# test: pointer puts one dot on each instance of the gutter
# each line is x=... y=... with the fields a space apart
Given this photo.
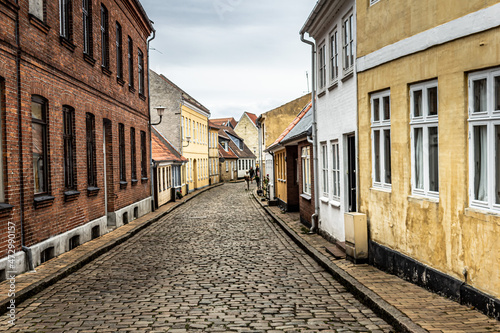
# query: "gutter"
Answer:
x=151 y=166
x=315 y=216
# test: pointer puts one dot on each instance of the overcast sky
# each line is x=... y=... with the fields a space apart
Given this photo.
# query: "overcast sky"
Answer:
x=232 y=55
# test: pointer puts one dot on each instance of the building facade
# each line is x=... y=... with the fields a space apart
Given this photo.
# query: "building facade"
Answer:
x=228 y=160
x=429 y=111
x=74 y=121
x=213 y=153
x=248 y=131
x=332 y=25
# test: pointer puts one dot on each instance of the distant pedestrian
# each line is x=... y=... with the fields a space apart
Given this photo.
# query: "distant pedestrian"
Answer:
x=251 y=172
x=247 y=179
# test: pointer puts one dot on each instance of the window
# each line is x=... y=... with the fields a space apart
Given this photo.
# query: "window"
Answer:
x=2 y=113
x=65 y=12
x=69 y=148
x=372 y=2
x=322 y=66
x=306 y=170
x=119 y=52
x=104 y=37
x=348 y=42
x=40 y=144
x=144 y=157
x=36 y=8
x=335 y=170
x=424 y=138
x=121 y=151
x=381 y=139
x=133 y=167
x=140 y=64
x=324 y=168
x=87 y=27
x=130 y=63
x=91 y=151
x=484 y=139
x=334 y=57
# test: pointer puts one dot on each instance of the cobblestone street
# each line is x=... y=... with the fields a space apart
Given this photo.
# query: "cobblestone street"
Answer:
x=215 y=264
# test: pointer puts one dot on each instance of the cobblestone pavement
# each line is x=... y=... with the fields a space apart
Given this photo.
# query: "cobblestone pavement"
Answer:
x=216 y=264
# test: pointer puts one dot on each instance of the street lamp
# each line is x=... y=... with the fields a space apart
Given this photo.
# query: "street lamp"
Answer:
x=160 y=110
x=188 y=140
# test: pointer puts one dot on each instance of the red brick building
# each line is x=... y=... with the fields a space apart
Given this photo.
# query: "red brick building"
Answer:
x=74 y=124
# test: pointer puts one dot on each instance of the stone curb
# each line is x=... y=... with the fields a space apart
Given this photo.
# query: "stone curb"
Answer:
x=38 y=286
x=381 y=307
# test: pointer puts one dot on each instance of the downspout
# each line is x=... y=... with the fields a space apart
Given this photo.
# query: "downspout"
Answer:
x=26 y=249
x=315 y=216
x=150 y=132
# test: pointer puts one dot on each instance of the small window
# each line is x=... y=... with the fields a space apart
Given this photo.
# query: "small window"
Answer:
x=91 y=151
x=125 y=218
x=140 y=66
x=74 y=242
x=119 y=52
x=46 y=254
x=334 y=56
x=2 y=275
x=104 y=37
x=65 y=16
x=130 y=63
x=121 y=150
x=69 y=148
x=144 y=157
x=133 y=167
x=322 y=66
x=381 y=139
x=324 y=168
x=348 y=41
x=335 y=170
x=136 y=213
x=95 y=232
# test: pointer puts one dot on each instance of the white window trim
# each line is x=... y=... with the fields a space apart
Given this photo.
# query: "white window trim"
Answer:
x=306 y=170
x=324 y=168
x=372 y=2
x=489 y=118
x=424 y=121
x=380 y=125
x=348 y=67
x=336 y=186
x=334 y=55
x=322 y=68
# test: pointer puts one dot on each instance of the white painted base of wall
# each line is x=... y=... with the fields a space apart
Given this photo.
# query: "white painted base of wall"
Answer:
x=116 y=218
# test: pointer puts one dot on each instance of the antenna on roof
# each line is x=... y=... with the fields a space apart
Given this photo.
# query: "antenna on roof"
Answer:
x=307 y=80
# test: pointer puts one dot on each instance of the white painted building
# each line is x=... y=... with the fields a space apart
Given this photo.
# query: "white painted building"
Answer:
x=332 y=25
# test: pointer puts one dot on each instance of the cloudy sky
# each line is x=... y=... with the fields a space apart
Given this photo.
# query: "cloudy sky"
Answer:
x=232 y=55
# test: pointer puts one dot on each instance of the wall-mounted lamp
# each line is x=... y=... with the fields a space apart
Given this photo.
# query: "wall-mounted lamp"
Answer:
x=160 y=110
x=188 y=140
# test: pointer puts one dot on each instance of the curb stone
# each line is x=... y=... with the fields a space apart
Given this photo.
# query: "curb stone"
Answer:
x=381 y=307
x=46 y=282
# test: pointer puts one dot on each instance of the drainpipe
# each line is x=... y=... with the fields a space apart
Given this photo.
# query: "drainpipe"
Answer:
x=26 y=249
x=150 y=132
x=315 y=216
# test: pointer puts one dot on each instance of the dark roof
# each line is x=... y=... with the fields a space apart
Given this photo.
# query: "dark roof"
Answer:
x=245 y=153
x=226 y=154
x=291 y=126
x=301 y=129
x=163 y=151
x=224 y=121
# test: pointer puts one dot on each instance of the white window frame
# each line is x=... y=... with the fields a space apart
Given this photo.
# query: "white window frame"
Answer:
x=380 y=125
x=324 y=169
x=306 y=170
x=490 y=118
x=424 y=121
x=322 y=66
x=336 y=181
x=372 y=2
x=348 y=42
x=334 y=55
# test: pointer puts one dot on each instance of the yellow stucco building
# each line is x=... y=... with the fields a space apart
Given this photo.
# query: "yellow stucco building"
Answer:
x=194 y=124
x=213 y=153
x=429 y=142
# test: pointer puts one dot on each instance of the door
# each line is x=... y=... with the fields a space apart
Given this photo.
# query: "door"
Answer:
x=351 y=173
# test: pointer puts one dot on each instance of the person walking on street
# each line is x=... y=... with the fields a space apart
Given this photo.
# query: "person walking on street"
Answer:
x=247 y=179
x=251 y=172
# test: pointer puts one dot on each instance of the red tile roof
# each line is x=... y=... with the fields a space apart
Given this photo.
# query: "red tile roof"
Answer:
x=163 y=151
x=226 y=154
x=252 y=117
x=224 y=121
x=291 y=125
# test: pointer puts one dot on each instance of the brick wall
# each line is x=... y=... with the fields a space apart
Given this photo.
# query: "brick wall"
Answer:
x=59 y=72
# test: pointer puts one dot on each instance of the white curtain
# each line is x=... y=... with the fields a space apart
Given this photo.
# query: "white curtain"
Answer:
x=480 y=160
x=419 y=159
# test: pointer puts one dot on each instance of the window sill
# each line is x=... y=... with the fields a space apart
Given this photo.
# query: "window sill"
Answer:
x=306 y=196
x=141 y=96
x=92 y=191
x=131 y=89
x=144 y=179
x=419 y=198
x=71 y=195
x=322 y=93
x=348 y=74
x=381 y=189
x=134 y=182
x=123 y=184
x=334 y=85
x=39 y=24
x=106 y=71
x=5 y=209
x=324 y=200
x=120 y=81
x=482 y=214
x=335 y=203
x=67 y=43
x=11 y=4
x=43 y=201
x=89 y=59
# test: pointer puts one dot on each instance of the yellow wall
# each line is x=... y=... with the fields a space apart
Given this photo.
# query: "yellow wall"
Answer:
x=247 y=130
x=213 y=155
x=446 y=235
x=406 y=18
x=197 y=150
